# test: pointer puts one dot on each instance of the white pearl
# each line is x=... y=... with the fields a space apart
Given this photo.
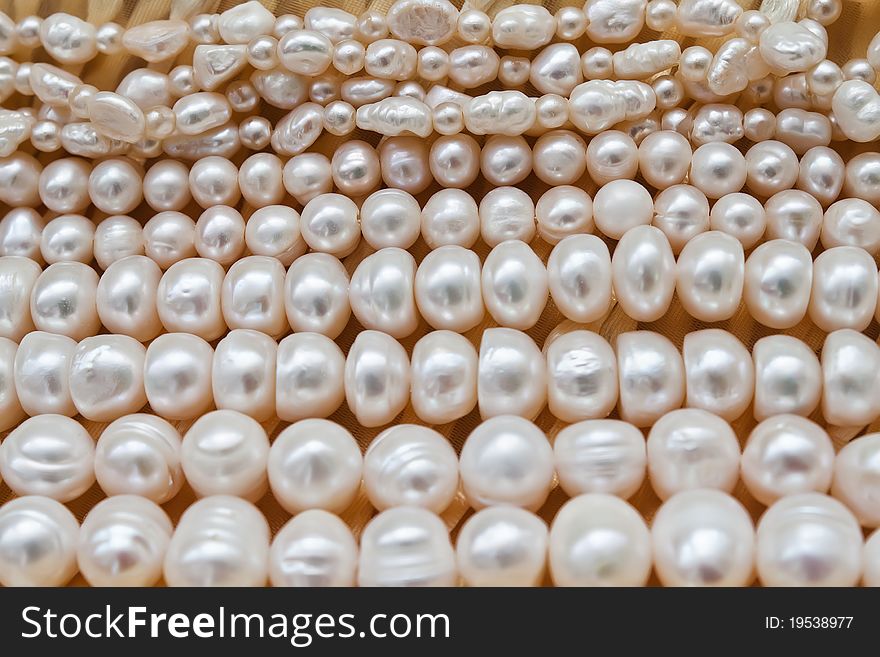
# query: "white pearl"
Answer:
x=861 y=177
x=306 y=176
x=382 y=292
x=788 y=377
x=410 y=465
x=390 y=217
x=643 y=273
x=844 y=289
x=243 y=373
x=599 y=540
x=244 y=22
x=146 y=88
x=41 y=367
x=20 y=175
x=741 y=216
x=514 y=284
x=719 y=373
x=512 y=374
x=703 y=538
x=502 y=546
x=177 y=376
x=709 y=276
x=169 y=237
x=17 y=278
x=620 y=206
x=213 y=180
x=614 y=21
x=188 y=298
x=600 y=456
x=556 y=69
x=450 y=217
x=809 y=539
x=795 y=216
x=315 y=464
x=37 y=542
x=855 y=105
x=454 y=160
x=63 y=300
x=219 y=541
x=259 y=179
x=681 y=212
x=280 y=88
x=506 y=460
x=252 y=296
x=444 y=377
x=225 y=453
x=507 y=213
x=11 y=412
x=786 y=455
x=612 y=155
x=297 y=130
x=447 y=289
x=778 y=281
x=315 y=548
x=122 y=542
x=116 y=238
x=329 y=224
x=849 y=222
x=197 y=113
x=582 y=376
x=717 y=169
x=68 y=238
x=309 y=377
x=68 y=39
x=273 y=230
x=558 y=157
x=651 y=373
x=772 y=167
x=49 y=455
x=377 y=376
x=850 y=384
x=316 y=294
x=856 y=478
x=473 y=66
x=579 y=277
x=506 y=160
x=219 y=234
x=789 y=47
x=21 y=233
x=406 y=546
x=664 y=158
x=564 y=211
x=523 y=27
x=106 y=377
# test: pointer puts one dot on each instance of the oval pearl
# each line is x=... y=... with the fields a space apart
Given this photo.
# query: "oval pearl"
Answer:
x=788 y=377
x=316 y=295
x=450 y=217
x=115 y=186
x=40 y=370
x=558 y=157
x=444 y=377
x=741 y=216
x=219 y=234
x=681 y=212
x=11 y=412
x=21 y=233
x=309 y=377
x=454 y=160
x=620 y=206
x=252 y=296
x=808 y=539
x=844 y=291
x=355 y=168
x=20 y=176
x=329 y=224
x=849 y=222
x=850 y=379
x=63 y=300
x=856 y=478
x=188 y=298
x=50 y=455
x=127 y=296
x=225 y=453
x=562 y=212
x=64 y=185
x=382 y=294
x=778 y=281
x=709 y=276
x=116 y=238
x=315 y=464
x=390 y=217
x=38 y=539
x=719 y=373
x=273 y=231
x=17 y=278
x=243 y=373
x=515 y=285
x=600 y=456
x=68 y=238
x=177 y=376
x=717 y=169
x=377 y=376
x=651 y=374
x=106 y=377
x=664 y=158
x=306 y=176
x=315 y=548
x=259 y=179
x=643 y=273
x=410 y=465
x=599 y=540
x=169 y=237
x=861 y=176
x=795 y=216
x=506 y=460
x=406 y=546
x=502 y=546
x=579 y=277
x=787 y=455
x=447 y=289
x=512 y=374
x=703 y=538
x=582 y=376
x=507 y=213
x=122 y=542
x=219 y=541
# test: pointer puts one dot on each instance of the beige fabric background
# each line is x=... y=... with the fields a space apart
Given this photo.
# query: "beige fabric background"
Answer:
x=849 y=37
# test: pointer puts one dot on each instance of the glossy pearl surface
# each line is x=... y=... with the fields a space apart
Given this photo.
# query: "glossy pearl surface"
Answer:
x=314 y=548
x=643 y=273
x=377 y=378
x=106 y=377
x=651 y=376
x=582 y=376
x=788 y=377
x=856 y=477
x=38 y=538
x=382 y=294
x=447 y=289
x=444 y=377
x=41 y=373
x=316 y=294
x=719 y=373
x=243 y=373
x=512 y=374
x=308 y=377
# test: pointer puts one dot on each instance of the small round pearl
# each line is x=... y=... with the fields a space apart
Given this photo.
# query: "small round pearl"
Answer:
x=314 y=548
x=582 y=376
x=122 y=542
x=219 y=541
x=741 y=216
x=502 y=546
x=717 y=168
x=49 y=455
x=40 y=371
x=260 y=180
x=309 y=377
x=225 y=452
x=329 y=224
x=382 y=292
x=355 y=168
x=809 y=539
x=447 y=289
x=642 y=273
x=454 y=160
x=404 y=162
x=20 y=179
x=410 y=465
x=786 y=455
x=709 y=276
x=506 y=460
x=450 y=216
x=612 y=155
x=703 y=538
x=444 y=377
x=188 y=298
x=177 y=376
x=681 y=212
x=844 y=289
x=169 y=237
x=273 y=231
x=558 y=157
x=307 y=175
x=599 y=540
x=316 y=295
x=788 y=377
x=38 y=539
x=505 y=160
x=64 y=185
x=390 y=217
x=515 y=285
x=664 y=158
x=116 y=238
x=621 y=205
x=106 y=377
x=406 y=546
x=252 y=295
x=315 y=464
x=512 y=374
x=856 y=478
x=507 y=213
x=719 y=373
x=116 y=186
x=243 y=373
x=772 y=167
x=377 y=377
x=795 y=216
x=778 y=281
x=563 y=211
x=63 y=300
x=219 y=234
x=213 y=180
x=68 y=238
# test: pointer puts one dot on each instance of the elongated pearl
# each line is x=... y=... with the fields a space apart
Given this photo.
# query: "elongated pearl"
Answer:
x=515 y=285
x=447 y=289
x=710 y=273
x=651 y=374
x=719 y=373
x=642 y=273
x=316 y=294
x=40 y=370
x=177 y=376
x=579 y=277
x=444 y=377
x=582 y=376
x=844 y=289
x=315 y=548
x=243 y=373
x=252 y=295
x=512 y=374
x=309 y=377
x=850 y=371
x=377 y=378
x=788 y=377
x=382 y=292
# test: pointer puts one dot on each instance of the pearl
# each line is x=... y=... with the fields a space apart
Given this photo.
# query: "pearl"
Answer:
x=126 y=298
x=664 y=158
x=106 y=377
x=795 y=216
x=681 y=212
x=298 y=130
x=506 y=213
x=244 y=22
x=787 y=455
x=64 y=185
x=166 y=186
x=21 y=234
x=18 y=276
x=280 y=88
x=377 y=378
x=855 y=478
x=454 y=160
x=406 y=546
x=38 y=539
x=316 y=295
x=315 y=548
x=620 y=206
x=612 y=155
x=68 y=39
x=850 y=222
x=741 y=216
x=514 y=283
x=63 y=300
x=382 y=292
x=778 y=280
x=642 y=273
x=582 y=376
x=717 y=168
x=563 y=211
x=309 y=377
x=11 y=412
x=188 y=298
x=850 y=367
x=502 y=546
x=117 y=237
x=329 y=224
x=390 y=217
x=703 y=538
x=559 y=157
x=579 y=277
x=506 y=460
x=719 y=374
x=255 y=132
x=599 y=540
x=444 y=377
x=788 y=377
x=67 y=238
x=196 y=113
x=306 y=176
x=122 y=542
x=20 y=176
x=855 y=105
x=177 y=376
x=219 y=541
x=48 y=455
x=219 y=234
x=862 y=177
x=651 y=374
x=273 y=231
x=844 y=289
x=450 y=217
x=512 y=374
x=410 y=465
x=404 y=164
x=473 y=66
x=213 y=181
x=447 y=289
x=505 y=160
x=252 y=295
x=115 y=186
x=40 y=373
x=710 y=275
x=243 y=373
x=260 y=180
x=808 y=539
